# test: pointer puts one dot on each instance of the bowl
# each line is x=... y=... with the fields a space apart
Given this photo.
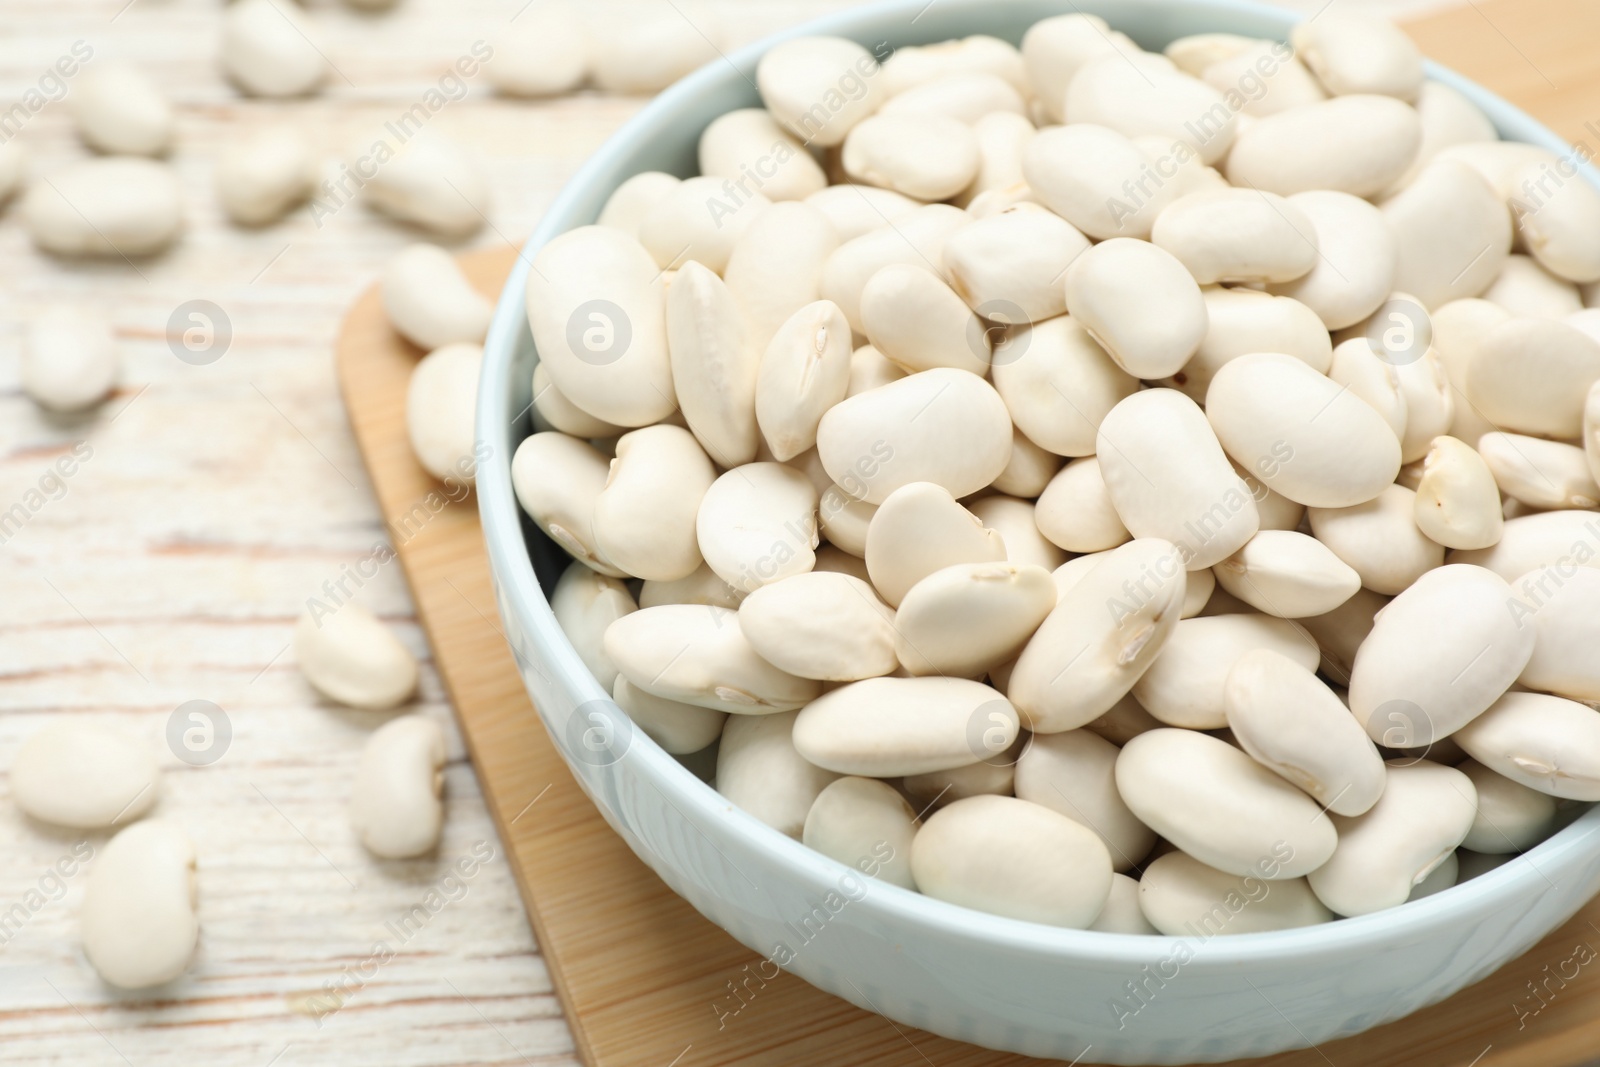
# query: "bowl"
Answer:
x=992 y=981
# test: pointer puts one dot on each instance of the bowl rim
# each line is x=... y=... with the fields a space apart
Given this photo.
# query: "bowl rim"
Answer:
x=1508 y=885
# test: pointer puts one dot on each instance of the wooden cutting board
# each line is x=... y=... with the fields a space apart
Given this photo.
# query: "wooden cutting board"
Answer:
x=640 y=972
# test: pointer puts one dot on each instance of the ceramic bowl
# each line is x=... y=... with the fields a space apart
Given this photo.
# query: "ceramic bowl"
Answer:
x=980 y=978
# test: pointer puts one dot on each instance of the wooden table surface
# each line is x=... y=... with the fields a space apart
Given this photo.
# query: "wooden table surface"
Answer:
x=172 y=565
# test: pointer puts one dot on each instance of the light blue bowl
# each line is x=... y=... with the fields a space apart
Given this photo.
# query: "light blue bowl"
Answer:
x=992 y=981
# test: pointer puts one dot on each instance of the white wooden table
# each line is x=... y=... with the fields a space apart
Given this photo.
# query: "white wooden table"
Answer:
x=173 y=565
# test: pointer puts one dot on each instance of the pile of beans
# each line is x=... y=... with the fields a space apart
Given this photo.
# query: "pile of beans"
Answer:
x=1093 y=486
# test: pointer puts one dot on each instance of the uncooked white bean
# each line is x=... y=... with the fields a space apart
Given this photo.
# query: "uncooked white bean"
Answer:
x=856 y=210
x=862 y=823
x=994 y=776
x=1245 y=321
x=1546 y=743
x=843 y=519
x=1144 y=94
x=1359 y=52
x=1354 y=269
x=1357 y=367
x=918 y=322
x=804 y=373
x=429 y=300
x=1529 y=542
x=1187 y=683
x=272 y=49
x=350 y=656
x=943 y=426
x=395 y=806
x=1221 y=807
x=1351 y=144
x=1100 y=638
x=542 y=52
x=1083 y=173
x=775 y=269
x=1459 y=329
x=1288 y=574
x=644 y=50
x=677 y=727
x=1415 y=680
x=441 y=410
x=1009 y=267
x=827 y=626
x=1527 y=289
x=1448 y=119
x=1197 y=52
x=1014 y=521
x=1075 y=510
x=1055 y=49
x=434 y=183
x=1182 y=897
x=140 y=924
x=714 y=366
x=1291 y=723
x=1126 y=719
x=1029 y=470
x=1277 y=512
x=965 y=619
x=1430 y=403
x=1140 y=303
x=926 y=156
x=963 y=97
x=585 y=604
x=121 y=206
x=119 y=110
x=698 y=654
x=1265 y=77
x=69 y=362
x=699 y=219
x=77 y=775
x=644 y=518
x=919 y=529
x=595 y=306
x=630 y=202
x=553 y=411
x=868 y=370
x=916 y=239
x=1457 y=502
x=1340 y=632
x=748 y=147
x=1380 y=539
x=820 y=87
x=1121 y=914
x=759 y=770
x=1009 y=857
x=1059 y=384
x=1169 y=478
x=914 y=65
x=758 y=524
x=1563 y=605
x=1558 y=219
x=1511 y=817
x=1532 y=376
x=1001 y=136
x=701 y=587
x=1424 y=813
x=1237 y=235
x=263 y=176
x=1452 y=233
x=557 y=479
x=1074 y=773
x=884 y=727
x=1542 y=474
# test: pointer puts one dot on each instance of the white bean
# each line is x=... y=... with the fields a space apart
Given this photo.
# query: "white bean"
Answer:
x=644 y=50
x=918 y=322
x=1532 y=541
x=1015 y=522
x=1531 y=376
x=350 y=656
x=1009 y=267
x=1009 y=857
x=820 y=87
x=698 y=654
x=74 y=774
x=1055 y=49
x=775 y=269
x=1380 y=539
x=1099 y=639
x=1546 y=743
x=1083 y=173
x=1029 y=470
x=1288 y=574
x=1245 y=321
x=1563 y=606
x=1187 y=684
x=1354 y=270
x=862 y=822
x=1237 y=235
x=1074 y=773
x=271 y=49
x=827 y=626
x=1351 y=144
x=121 y=206
x=758 y=524
x=914 y=65
x=70 y=360
x=677 y=727
x=1075 y=510
x=1457 y=502
x=1221 y=807
x=856 y=210
x=1425 y=811
x=140 y=924
x=1182 y=897
x=1526 y=289
x=644 y=518
x=1452 y=233
x=557 y=479
x=919 y=529
x=884 y=727
x=441 y=410
x=1121 y=914
x=1140 y=303
x=1358 y=368
x=1144 y=94
x=395 y=806
x=1059 y=384
x=759 y=770
x=1559 y=219
x=1266 y=76
x=1448 y=119
x=748 y=146
x=1542 y=474
x=263 y=176
x=965 y=619
x=1360 y=52
x=119 y=110
x=1511 y=817
x=625 y=209
x=1002 y=136
x=701 y=587
x=543 y=52
x=585 y=604
x=916 y=238
x=429 y=300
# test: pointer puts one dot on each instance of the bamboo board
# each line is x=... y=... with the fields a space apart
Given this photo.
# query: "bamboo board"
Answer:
x=643 y=977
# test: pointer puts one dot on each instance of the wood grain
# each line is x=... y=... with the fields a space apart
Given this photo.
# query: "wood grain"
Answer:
x=645 y=979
